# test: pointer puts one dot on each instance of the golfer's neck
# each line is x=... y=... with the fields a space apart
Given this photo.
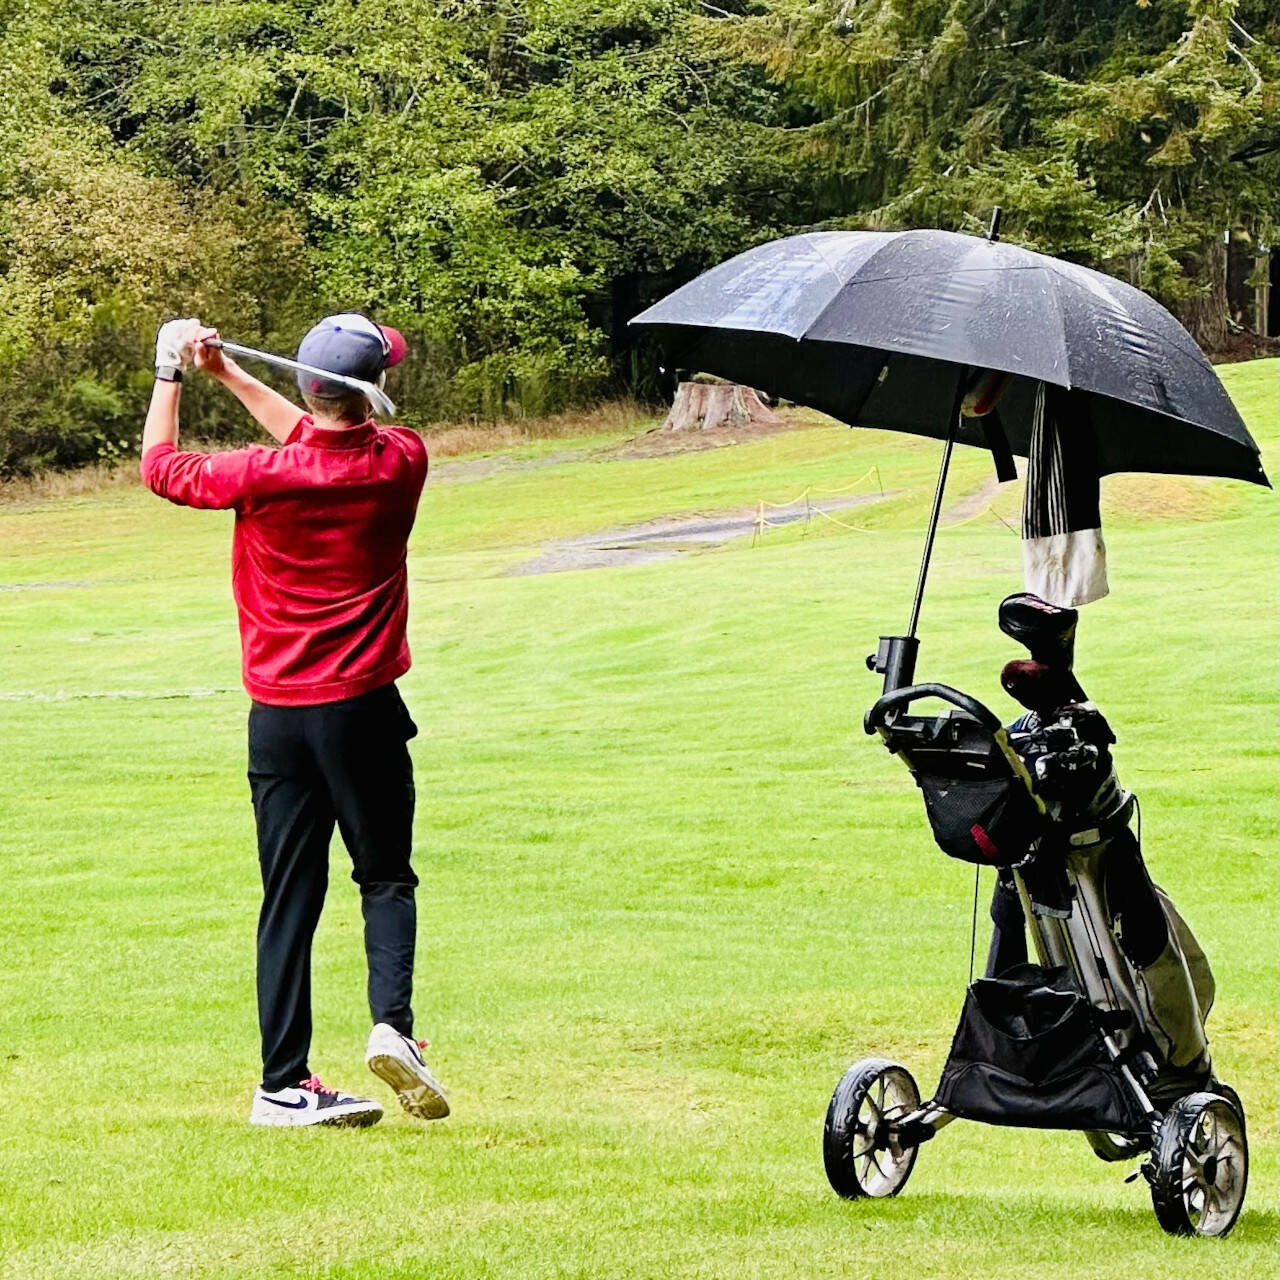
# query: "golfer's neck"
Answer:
x=336 y=424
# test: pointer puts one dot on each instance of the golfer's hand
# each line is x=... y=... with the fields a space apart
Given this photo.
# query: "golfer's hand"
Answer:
x=174 y=342
x=209 y=359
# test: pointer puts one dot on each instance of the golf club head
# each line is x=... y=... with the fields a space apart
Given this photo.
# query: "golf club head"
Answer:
x=1047 y=631
x=1039 y=688
x=381 y=402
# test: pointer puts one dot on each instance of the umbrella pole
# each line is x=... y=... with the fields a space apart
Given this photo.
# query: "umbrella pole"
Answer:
x=896 y=657
x=932 y=533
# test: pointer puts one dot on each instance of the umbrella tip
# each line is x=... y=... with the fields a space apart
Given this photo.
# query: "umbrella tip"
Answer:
x=993 y=231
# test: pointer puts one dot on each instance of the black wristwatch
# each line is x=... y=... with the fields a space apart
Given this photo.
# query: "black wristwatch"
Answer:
x=168 y=373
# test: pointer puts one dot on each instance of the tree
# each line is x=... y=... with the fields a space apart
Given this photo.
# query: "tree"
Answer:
x=509 y=181
x=93 y=255
x=499 y=179
x=1110 y=132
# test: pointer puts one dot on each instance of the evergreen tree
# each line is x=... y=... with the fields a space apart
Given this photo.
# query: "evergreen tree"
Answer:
x=1129 y=136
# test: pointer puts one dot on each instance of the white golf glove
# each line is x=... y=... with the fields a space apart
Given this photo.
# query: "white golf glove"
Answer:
x=173 y=343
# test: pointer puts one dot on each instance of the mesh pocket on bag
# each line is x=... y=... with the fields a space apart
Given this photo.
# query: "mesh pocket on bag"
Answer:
x=990 y=820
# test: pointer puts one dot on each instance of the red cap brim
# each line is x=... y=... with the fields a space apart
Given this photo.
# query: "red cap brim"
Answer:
x=396 y=344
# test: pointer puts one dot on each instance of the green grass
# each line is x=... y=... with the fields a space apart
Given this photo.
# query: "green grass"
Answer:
x=669 y=889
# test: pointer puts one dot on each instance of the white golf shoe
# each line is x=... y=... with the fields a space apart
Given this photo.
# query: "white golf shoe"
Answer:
x=312 y=1103
x=398 y=1060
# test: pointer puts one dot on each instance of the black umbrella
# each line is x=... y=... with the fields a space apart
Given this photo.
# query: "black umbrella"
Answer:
x=885 y=329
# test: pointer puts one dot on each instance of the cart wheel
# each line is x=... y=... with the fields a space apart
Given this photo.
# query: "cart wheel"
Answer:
x=1224 y=1090
x=1200 y=1166
x=1113 y=1146
x=860 y=1157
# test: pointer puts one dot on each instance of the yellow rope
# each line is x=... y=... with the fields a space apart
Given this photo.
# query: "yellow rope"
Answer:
x=856 y=528
x=811 y=490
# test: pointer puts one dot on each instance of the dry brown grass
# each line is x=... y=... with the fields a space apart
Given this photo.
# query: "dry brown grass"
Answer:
x=612 y=417
x=444 y=439
x=52 y=486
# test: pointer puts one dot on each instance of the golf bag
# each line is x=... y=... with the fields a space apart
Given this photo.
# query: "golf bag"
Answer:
x=1042 y=803
x=1102 y=1029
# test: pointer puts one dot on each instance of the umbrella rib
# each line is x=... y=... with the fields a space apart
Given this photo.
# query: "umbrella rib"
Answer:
x=849 y=283
x=1062 y=329
x=1187 y=349
x=812 y=241
x=951 y=271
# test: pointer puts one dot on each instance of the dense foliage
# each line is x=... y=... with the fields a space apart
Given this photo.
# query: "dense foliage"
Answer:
x=509 y=180
x=1127 y=136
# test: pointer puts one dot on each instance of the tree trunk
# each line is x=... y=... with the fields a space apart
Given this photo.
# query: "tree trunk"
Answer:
x=704 y=406
x=1205 y=316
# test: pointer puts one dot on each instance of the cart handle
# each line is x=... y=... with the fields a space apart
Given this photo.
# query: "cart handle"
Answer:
x=878 y=715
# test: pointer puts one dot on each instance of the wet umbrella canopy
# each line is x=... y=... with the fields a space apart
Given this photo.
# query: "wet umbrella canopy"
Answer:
x=875 y=328
x=888 y=329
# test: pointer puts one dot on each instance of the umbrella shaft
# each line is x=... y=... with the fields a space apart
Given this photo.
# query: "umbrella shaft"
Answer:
x=936 y=513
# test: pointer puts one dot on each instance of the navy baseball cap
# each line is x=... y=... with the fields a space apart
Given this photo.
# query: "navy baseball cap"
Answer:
x=349 y=344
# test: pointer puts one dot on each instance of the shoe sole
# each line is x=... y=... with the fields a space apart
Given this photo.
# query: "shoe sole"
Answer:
x=355 y=1119
x=424 y=1100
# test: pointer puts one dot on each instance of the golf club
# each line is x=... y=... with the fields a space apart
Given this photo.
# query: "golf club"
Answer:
x=377 y=397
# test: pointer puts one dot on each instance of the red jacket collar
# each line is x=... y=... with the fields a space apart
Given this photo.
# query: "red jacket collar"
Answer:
x=308 y=433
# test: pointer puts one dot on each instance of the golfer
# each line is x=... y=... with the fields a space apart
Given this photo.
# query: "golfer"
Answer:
x=320 y=583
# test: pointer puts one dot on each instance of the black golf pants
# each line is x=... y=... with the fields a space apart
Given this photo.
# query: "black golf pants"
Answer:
x=309 y=768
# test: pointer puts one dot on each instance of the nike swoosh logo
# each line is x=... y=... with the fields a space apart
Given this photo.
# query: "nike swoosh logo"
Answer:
x=292 y=1106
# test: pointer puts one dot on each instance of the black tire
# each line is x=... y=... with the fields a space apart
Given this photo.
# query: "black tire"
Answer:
x=1200 y=1168
x=859 y=1158
x=1224 y=1090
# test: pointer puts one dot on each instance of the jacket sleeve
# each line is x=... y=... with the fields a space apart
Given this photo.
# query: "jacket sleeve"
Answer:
x=212 y=481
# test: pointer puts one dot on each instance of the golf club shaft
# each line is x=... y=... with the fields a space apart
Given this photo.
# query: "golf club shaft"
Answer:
x=377 y=397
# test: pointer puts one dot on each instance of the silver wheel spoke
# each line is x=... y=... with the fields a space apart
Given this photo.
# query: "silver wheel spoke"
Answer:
x=1202 y=1184
x=877 y=1162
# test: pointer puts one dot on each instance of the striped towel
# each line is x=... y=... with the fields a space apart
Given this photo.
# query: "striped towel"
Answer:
x=1064 y=559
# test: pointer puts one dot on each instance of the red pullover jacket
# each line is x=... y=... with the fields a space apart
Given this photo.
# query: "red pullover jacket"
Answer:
x=318 y=557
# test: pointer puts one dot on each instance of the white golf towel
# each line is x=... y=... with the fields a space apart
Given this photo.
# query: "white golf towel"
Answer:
x=1064 y=559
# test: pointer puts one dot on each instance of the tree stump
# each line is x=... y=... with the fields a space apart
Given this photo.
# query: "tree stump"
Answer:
x=704 y=406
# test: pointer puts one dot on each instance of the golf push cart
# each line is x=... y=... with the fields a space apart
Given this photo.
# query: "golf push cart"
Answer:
x=1104 y=1031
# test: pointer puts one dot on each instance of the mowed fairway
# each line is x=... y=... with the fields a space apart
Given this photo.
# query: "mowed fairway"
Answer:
x=669 y=889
